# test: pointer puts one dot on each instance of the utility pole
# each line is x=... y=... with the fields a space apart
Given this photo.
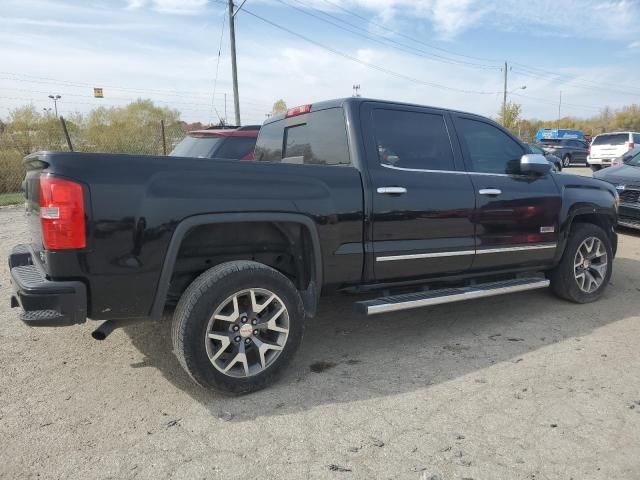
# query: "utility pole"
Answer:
x=559 y=107
x=504 y=97
x=234 y=67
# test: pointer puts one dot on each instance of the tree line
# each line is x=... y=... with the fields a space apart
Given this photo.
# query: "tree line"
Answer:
x=607 y=120
x=136 y=128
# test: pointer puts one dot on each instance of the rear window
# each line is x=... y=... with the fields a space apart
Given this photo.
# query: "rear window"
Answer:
x=236 y=148
x=551 y=142
x=196 y=146
x=320 y=140
x=611 y=139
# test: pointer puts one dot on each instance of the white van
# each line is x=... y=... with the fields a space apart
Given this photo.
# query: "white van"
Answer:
x=607 y=146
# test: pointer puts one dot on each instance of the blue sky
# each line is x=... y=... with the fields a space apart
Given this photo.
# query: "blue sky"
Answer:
x=438 y=52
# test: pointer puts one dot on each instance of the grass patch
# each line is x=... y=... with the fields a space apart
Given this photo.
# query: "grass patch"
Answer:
x=11 y=199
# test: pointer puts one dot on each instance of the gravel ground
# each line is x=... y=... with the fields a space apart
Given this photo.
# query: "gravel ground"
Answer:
x=517 y=387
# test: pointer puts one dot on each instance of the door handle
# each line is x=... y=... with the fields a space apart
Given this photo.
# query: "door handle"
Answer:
x=490 y=191
x=392 y=190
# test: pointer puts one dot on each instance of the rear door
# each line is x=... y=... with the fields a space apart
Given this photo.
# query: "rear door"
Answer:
x=578 y=151
x=516 y=218
x=423 y=201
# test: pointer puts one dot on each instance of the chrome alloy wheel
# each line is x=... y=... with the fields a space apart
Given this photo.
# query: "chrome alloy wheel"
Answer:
x=247 y=332
x=590 y=264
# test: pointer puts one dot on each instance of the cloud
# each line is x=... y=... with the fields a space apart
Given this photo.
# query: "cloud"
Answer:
x=614 y=19
x=176 y=7
x=633 y=45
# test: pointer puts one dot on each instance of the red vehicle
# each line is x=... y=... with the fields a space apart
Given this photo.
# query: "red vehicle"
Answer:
x=226 y=143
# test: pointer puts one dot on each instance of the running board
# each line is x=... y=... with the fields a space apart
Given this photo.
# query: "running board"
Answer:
x=448 y=295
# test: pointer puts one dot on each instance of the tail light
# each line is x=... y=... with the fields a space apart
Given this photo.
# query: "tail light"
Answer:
x=61 y=213
x=631 y=145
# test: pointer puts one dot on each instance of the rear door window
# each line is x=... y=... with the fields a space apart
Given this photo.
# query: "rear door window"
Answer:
x=410 y=139
x=611 y=139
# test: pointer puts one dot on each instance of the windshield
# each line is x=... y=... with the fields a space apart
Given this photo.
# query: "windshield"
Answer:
x=632 y=158
x=550 y=141
x=201 y=147
x=611 y=139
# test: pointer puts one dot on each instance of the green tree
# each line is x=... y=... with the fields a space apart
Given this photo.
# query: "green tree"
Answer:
x=279 y=106
x=628 y=118
x=510 y=115
x=134 y=128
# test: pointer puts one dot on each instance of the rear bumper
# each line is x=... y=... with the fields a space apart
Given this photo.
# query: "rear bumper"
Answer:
x=599 y=161
x=44 y=303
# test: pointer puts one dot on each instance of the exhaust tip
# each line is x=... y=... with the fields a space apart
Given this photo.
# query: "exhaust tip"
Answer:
x=98 y=334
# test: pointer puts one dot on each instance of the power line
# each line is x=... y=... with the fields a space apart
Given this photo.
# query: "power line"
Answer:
x=362 y=62
x=385 y=41
x=52 y=81
x=408 y=37
x=215 y=82
x=204 y=97
x=532 y=70
x=575 y=81
x=551 y=102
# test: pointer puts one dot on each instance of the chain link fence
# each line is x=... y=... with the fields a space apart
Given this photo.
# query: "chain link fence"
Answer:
x=17 y=141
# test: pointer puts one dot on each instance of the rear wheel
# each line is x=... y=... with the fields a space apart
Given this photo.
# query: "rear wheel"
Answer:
x=586 y=265
x=237 y=326
x=566 y=161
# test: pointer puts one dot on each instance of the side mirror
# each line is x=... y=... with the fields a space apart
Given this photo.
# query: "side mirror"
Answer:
x=535 y=164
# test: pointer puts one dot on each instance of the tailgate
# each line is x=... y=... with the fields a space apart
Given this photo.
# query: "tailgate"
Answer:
x=608 y=151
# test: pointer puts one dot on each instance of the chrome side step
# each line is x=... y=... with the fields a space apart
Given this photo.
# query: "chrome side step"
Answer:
x=448 y=295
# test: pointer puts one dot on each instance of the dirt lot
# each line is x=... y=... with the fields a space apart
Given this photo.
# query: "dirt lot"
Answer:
x=516 y=387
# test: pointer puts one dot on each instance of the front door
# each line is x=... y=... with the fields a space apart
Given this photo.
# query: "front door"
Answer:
x=422 y=201
x=517 y=216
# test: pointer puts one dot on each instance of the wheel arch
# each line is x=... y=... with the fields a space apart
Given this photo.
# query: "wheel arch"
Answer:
x=309 y=295
x=589 y=214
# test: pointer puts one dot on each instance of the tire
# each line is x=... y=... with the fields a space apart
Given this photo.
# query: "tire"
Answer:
x=596 y=168
x=566 y=161
x=228 y=291
x=566 y=279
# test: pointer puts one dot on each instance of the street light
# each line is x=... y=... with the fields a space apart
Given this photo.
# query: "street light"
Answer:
x=47 y=110
x=55 y=99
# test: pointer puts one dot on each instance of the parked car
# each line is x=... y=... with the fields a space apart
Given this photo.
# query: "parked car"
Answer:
x=554 y=160
x=409 y=205
x=227 y=143
x=608 y=146
x=624 y=174
x=571 y=151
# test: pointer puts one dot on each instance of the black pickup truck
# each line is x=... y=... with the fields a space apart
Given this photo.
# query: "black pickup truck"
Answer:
x=409 y=205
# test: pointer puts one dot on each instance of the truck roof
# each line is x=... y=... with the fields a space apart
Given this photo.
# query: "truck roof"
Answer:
x=339 y=102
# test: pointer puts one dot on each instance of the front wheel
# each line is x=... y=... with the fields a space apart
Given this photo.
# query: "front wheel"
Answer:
x=586 y=265
x=566 y=161
x=237 y=326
